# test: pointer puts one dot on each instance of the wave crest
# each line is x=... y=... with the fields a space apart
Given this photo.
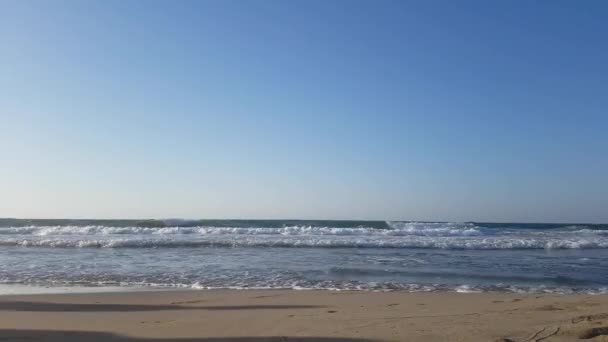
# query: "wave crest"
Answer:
x=312 y=241
x=419 y=229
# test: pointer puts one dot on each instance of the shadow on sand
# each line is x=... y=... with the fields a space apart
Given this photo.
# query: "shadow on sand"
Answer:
x=66 y=307
x=79 y=336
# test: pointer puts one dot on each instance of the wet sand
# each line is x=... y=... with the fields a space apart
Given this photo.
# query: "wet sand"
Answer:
x=287 y=315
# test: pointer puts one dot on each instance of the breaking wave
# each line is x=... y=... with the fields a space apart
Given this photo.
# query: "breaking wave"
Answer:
x=315 y=242
x=360 y=255
x=410 y=228
x=438 y=235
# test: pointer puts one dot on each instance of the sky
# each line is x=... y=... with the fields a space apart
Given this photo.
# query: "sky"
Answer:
x=390 y=110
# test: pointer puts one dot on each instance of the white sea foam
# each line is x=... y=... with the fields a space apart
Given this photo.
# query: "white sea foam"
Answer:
x=442 y=242
x=421 y=229
x=409 y=256
x=103 y=287
x=399 y=235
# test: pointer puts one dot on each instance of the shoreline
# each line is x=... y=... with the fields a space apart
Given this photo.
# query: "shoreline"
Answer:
x=184 y=315
x=27 y=289
x=15 y=289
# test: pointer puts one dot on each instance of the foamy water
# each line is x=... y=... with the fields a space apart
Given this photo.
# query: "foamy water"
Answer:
x=412 y=256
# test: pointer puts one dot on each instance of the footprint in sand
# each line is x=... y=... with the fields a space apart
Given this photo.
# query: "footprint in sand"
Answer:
x=593 y=332
x=548 y=308
x=188 y=302
x=150 y=322
x=590 y=318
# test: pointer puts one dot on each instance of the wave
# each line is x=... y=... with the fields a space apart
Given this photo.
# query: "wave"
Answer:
x=439 y=235
x=289 y=284
x=423 y=242
x=396 y=229
x=402 y=229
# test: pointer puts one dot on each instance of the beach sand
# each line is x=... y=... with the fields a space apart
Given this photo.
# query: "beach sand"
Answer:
x=287 y=315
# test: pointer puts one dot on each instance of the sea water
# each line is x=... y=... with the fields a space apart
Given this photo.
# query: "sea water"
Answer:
x=292 y=254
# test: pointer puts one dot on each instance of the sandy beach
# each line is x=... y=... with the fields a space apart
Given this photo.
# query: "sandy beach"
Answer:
x=287 y=315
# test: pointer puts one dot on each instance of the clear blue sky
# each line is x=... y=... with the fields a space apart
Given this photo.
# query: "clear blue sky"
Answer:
x=418 y=110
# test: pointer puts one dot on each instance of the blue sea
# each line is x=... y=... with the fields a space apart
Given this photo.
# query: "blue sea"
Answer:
x=298 y=254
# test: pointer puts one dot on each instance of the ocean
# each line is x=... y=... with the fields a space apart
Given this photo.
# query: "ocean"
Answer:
x=305 y=254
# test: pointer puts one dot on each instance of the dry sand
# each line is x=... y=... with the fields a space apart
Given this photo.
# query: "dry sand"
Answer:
x=269 y=315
